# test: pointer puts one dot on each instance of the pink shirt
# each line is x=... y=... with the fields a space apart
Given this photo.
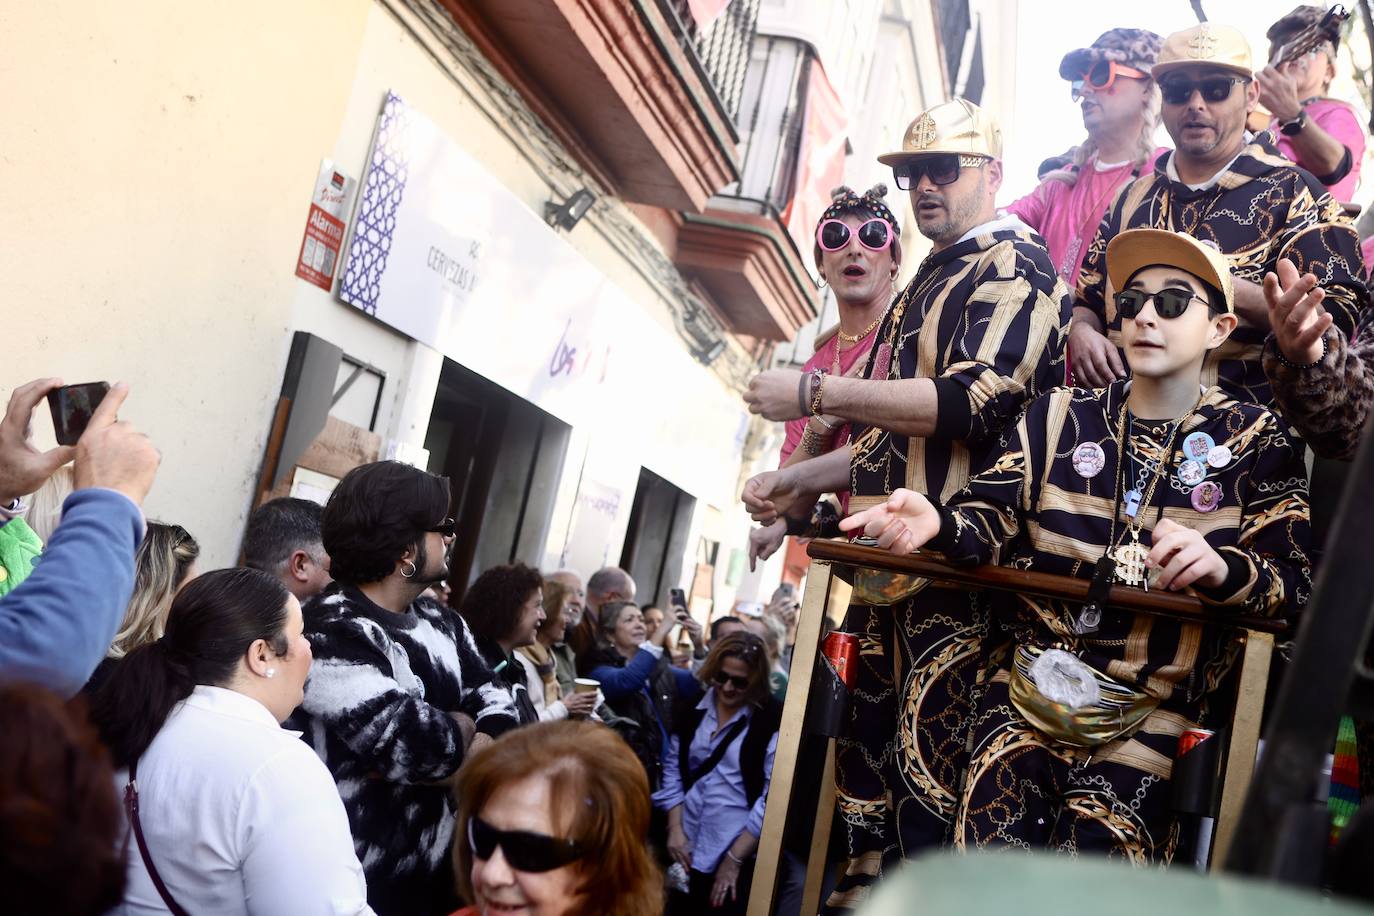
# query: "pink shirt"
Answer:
x=1337 y=119
x=824 y=358
x=1067 y=217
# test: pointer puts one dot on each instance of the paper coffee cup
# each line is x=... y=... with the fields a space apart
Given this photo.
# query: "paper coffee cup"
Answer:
x=585 y=685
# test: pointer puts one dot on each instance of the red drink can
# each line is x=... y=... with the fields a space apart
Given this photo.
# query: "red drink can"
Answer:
x=1191 y=738
x=842 y=649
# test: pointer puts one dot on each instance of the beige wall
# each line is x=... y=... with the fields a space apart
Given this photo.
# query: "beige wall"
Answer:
x=154 y=181
x=155 y=174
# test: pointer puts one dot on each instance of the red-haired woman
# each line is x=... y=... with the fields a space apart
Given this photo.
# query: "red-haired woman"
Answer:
x=716 y=774
x=551 y=822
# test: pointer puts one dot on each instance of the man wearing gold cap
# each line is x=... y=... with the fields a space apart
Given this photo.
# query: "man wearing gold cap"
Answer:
x=1075 y=737
x=976 y=333
x=1227 y=187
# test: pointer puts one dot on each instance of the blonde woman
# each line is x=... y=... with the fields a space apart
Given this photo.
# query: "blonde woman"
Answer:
x=165 y=561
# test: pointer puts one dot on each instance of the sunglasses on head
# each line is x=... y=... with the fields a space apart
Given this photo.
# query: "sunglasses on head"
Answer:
x=1213 y=89
x=1101 y=77
x=1169 y=303
x=739 y=683
x=448 y=527
x=941 y=169
x=832 y=234
x=531 y=852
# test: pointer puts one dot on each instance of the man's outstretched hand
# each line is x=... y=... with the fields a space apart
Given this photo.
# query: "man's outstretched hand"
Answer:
x=902 y=524
x=1296 y=313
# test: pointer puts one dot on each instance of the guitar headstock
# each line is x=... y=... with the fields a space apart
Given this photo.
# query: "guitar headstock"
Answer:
x=1326 y=30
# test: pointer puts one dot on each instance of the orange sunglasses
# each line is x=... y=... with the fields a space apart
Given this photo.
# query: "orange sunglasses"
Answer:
x=1102 y=76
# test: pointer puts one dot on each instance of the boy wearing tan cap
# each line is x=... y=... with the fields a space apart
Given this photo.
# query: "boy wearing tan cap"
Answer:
x=1145 y=483
x=1228 y=187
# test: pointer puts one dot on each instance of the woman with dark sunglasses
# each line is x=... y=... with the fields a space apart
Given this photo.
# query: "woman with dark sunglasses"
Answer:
x=715 y=778
x=551 y=822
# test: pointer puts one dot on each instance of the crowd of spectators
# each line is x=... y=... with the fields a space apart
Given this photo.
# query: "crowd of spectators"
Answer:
x=314 y=731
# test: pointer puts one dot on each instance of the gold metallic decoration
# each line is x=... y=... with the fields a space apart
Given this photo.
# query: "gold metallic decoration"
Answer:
x=1204 y=43
x=881 y=588
x=922 y=132
x=1119 y=709
x=1130 y=561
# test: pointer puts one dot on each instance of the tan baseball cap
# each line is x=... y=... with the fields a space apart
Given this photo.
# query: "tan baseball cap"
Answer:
x=1205 y=44
x=956 y=126
x=1135 y=249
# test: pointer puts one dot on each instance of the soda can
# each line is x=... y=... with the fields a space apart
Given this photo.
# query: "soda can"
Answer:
x=842 y=649
x=1191 y=738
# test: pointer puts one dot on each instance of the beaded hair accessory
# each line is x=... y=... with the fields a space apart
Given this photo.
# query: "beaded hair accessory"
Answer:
x=843 y=200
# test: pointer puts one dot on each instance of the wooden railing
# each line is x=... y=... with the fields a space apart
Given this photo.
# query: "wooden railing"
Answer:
x=827 y=595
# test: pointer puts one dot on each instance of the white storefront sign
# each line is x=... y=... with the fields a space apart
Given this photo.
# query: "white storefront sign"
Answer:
x=444 y=253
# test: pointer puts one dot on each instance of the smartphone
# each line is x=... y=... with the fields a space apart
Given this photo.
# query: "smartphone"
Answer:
x=72 y=407
x=678 y=599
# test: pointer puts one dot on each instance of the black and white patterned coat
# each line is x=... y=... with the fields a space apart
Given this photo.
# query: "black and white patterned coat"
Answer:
x=377 y=710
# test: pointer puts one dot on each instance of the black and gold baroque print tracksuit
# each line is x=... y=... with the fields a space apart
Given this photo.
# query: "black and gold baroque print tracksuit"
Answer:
x=1031 y=509
x=986 y=319
x=1261 y=209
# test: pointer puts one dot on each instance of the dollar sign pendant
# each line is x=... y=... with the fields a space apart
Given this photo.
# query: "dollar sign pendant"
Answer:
x=1130 y=561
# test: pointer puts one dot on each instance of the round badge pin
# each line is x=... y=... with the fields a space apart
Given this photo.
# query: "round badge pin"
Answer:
x=1206 y=496
x=1197 y=445
x=1192 y=472
x=1219 y=456
x=1089 y=460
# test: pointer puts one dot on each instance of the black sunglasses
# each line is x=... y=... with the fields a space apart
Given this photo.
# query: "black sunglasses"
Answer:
x=942 y=169
x=721 y=679
x=531 y=852
x=448 y=528
x=1213 y=89
x=1169 y=303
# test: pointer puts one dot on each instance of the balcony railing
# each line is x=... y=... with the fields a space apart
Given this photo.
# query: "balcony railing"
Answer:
x=719 y=52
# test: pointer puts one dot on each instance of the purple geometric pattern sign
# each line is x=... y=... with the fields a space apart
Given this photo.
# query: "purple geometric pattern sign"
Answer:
x=375 y=223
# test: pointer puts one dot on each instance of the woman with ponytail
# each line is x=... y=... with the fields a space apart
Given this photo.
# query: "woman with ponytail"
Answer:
x=229 y=812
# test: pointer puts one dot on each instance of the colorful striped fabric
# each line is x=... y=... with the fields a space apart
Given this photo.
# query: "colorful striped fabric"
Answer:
x=1344 y=799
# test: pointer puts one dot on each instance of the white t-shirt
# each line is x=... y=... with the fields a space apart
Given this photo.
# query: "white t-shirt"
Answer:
x=240 y=816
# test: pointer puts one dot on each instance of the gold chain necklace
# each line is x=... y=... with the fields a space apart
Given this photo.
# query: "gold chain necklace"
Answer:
x=855 y=338
x=1130 y=555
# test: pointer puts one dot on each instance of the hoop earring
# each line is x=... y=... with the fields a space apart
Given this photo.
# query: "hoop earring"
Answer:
x=822 y=283
x=413 y=570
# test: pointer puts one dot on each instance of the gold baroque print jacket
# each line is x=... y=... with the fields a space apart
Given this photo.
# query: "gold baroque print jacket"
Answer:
x=1260 y=210
x=1034 y=508
x=986 y=319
